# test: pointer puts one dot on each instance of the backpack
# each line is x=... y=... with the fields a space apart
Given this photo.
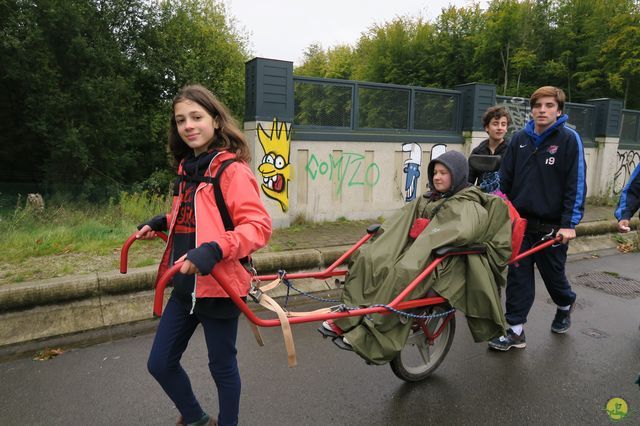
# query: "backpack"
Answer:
x=518 y=228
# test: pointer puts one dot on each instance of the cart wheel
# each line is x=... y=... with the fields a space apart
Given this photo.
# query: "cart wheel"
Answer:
x=418 y=359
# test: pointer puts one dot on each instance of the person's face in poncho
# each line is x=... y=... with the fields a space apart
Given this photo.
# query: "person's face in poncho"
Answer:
x=441 y=178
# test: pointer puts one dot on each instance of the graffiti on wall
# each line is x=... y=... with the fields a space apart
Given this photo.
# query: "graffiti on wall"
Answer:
x=412 y=169
x=626 y=164
x=275 y=167
x=519 y=111
x=348 y=169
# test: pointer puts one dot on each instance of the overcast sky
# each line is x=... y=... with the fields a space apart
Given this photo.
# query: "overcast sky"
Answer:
x=283 y=29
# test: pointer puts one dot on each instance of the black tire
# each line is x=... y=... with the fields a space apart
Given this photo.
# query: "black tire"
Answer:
x=418 y=359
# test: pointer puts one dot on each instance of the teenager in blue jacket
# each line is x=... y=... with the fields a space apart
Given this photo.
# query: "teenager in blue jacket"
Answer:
x=543 y=173
x=629 y=201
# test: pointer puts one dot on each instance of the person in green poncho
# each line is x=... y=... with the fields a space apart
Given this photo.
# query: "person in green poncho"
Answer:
x=452 y=213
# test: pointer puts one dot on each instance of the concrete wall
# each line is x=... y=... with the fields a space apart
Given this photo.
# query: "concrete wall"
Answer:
x=365 y=180
x=358 y=173
x=342 y=179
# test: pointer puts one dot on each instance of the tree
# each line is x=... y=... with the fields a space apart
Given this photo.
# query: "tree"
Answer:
x=75 y=102
x=621 y=55
x=382 y=55
x=507 y=29
x=315 y=62
x=88 y=82
x=523 y=61
x=454 y=45
x=340 y=62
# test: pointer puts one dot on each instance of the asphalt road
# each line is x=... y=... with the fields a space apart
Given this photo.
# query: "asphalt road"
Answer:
x=557 y=379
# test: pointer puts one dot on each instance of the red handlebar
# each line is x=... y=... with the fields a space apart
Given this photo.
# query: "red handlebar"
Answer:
x=158 y=298
x=124 y=254
x=537 y=248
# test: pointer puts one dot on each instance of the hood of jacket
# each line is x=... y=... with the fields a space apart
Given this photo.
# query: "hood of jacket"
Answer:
x=458 y=166
x=530 y=129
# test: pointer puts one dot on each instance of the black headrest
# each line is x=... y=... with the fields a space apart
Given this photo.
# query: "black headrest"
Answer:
x=484 y=163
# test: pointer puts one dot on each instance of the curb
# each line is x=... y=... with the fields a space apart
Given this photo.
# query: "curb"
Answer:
x=33 y=311
x=35 y=314
x=60 y=290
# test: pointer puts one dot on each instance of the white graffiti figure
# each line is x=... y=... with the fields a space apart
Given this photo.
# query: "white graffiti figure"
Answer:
x=412 y=169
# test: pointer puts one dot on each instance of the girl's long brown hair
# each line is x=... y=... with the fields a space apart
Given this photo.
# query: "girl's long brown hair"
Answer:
x=227 y=136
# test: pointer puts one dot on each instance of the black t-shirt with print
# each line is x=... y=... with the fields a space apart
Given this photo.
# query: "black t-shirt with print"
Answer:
x=184 y=239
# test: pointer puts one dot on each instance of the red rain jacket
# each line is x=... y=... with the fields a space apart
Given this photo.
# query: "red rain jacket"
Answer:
x=248 y=214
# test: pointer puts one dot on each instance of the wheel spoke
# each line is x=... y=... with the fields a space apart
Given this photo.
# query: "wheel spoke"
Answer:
x=423 y=350
x=415 y=338
x=432 y=325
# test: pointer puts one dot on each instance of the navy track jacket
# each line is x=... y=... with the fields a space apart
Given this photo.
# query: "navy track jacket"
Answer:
x=630 y=197
x=544 y=176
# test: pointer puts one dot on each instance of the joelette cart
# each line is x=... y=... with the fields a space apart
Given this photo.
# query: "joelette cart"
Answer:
x=432 y=318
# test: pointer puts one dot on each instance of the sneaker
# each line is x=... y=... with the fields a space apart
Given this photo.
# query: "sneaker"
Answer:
x=562 y=320
x=332 y=326
x=329 y=329
x=511 y=340
x=343 y=343
x=208 y=420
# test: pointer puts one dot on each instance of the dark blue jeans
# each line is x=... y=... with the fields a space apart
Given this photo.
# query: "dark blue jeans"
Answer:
x=174 y=331
x=521 y=280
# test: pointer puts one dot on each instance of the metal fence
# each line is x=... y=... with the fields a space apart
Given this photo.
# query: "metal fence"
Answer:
x=630 y=132
x=351 y=110
x=345 y=105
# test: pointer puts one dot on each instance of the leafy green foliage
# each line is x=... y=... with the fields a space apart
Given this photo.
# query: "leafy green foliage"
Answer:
x=88 y=86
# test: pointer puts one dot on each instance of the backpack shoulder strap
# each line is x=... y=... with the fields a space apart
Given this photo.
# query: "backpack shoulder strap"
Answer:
x=222 y=206
x=217 y=192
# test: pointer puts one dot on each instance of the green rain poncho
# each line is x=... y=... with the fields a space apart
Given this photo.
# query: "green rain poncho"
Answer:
x=391 y=260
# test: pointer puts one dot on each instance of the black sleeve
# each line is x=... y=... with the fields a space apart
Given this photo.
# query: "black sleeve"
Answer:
x=157 y=223
x=507 y=165
x=205 y=257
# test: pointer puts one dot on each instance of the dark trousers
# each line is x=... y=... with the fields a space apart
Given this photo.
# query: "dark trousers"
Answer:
x=521 y=281
x=174 y=331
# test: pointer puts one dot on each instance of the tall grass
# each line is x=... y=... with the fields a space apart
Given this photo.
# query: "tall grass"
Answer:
x=75 y=227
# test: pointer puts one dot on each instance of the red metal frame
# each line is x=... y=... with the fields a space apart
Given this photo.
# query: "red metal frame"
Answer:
x=397 y=303
x=432 y=337
x=124 y=254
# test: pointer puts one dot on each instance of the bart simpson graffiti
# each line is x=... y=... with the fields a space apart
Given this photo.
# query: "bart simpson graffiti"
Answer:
x=275 y=167
x=412 y=169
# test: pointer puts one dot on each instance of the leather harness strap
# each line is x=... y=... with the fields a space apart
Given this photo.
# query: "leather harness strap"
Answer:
x=256 y=333
x=272 y=305
x=306 y=314
x=257 y=294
